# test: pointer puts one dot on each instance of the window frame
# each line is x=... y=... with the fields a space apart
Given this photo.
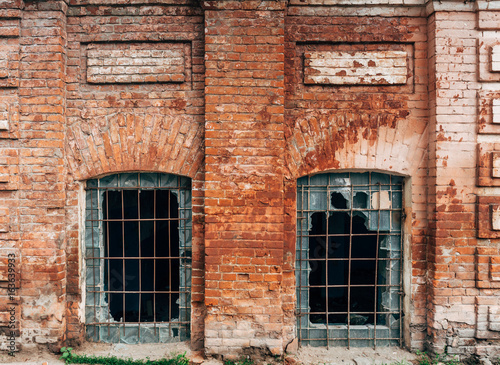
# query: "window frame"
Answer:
x=99 y=323
x=303 y=267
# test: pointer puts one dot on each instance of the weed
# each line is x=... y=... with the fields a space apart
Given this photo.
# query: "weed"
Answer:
x=71 y=358
x=425 y=359
x=66 y=354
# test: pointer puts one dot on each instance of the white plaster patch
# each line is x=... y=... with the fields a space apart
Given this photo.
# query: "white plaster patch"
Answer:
x=495 y=58
x=356 y=68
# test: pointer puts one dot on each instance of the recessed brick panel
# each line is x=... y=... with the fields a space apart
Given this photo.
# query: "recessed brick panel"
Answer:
x=495 y=268
x=494 y=318
x=488 y=318
x=9 y=63
x=9 y=49
x=495 y=217
x=495 y=58
x=4 y=220
x=495 y=162
x=489 y=112
x=9 y=178
x=486 y=207
x=488 y=20
x=488 y=164
x=137 y=63
x=4 y=65
x=496 y=111
x=356 y=68
x=487 y=267
x=9 y=118
x=489 y=69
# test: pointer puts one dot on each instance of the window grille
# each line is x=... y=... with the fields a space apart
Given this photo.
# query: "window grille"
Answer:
x=349 y=259
x=138 y=258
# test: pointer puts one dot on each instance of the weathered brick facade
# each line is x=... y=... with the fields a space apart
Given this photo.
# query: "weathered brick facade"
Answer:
x=244 y=98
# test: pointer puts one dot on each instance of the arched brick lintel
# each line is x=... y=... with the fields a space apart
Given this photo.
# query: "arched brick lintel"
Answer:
x=325 y=143
x=124 y=142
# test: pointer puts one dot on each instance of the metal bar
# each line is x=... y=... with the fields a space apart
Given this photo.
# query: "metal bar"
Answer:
x=299 y=279
x=401 y=269
x=183 y=296
x=133 y=188
x=347 y=235
x=345 y=286
x=376 y=271
x=140 y=261
x=327 y=245
x=135 y=291
x=169 y=266
x=136 y=220
x=123 y=264
x=136 y=257
x=160 y=324
x=107 y=248
x=93 y=248
x=154 y=255
x=352 y=259
x=349 y=276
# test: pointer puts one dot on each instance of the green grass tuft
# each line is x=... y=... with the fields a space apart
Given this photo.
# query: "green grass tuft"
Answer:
x=71 y=358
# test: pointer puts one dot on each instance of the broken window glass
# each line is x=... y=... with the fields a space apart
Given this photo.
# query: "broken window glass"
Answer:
x=349 y=253
x=138 y=258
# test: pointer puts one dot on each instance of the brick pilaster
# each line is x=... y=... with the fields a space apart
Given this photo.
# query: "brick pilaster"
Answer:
x=452 y=163
x=41 y=161
x=244 y=175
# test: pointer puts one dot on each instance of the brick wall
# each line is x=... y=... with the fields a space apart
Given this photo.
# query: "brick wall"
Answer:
x=244 y=98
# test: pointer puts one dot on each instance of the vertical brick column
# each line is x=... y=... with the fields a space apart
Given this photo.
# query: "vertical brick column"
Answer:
x=244 y=176
x=41 y=167
x=452 y=161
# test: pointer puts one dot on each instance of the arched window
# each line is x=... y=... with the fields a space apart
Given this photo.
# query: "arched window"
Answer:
x=349 y=259
x=138 y=258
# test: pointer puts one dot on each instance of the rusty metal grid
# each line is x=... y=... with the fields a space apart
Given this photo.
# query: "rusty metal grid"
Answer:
x=320 y=323
x=138 y=288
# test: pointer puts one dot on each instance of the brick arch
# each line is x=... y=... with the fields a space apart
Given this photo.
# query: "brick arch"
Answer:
x=122 y=142
x=327 y=141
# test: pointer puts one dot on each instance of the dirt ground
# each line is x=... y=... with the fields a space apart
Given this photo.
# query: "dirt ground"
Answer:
x=305 y=356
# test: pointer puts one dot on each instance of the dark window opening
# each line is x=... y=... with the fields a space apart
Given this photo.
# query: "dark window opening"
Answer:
x=145 y=245
x=332 y=270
